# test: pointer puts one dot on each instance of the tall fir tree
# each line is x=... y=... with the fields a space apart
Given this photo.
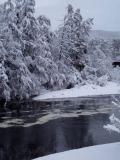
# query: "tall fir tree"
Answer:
x=72 y=37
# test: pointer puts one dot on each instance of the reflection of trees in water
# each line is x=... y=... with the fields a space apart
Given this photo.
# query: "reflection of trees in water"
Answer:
x=56 y=136
x=14 y=144
x=76 y=132
x=26 y=143
x=38 y=109
x=100 y=135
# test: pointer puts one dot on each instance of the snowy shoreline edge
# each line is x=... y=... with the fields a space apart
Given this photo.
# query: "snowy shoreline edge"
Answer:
x=86 y=91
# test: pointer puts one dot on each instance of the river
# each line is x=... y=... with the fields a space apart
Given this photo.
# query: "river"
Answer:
x=32 y=129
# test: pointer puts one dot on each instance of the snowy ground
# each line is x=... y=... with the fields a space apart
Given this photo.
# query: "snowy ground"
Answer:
x=101 y=152
x=83 y=91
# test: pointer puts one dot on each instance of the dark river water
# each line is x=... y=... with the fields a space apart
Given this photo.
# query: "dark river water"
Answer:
x=33 y=129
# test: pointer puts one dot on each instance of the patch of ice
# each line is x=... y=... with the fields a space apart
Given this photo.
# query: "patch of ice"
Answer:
x=53 y=115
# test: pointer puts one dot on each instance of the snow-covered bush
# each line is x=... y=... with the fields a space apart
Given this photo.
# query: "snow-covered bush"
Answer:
x=100 y=57
x=4 y=88
x=98 y=62
x=115 y=74
x=102 y=81
x=89 y=74
x=114 y=121
x=114 y=125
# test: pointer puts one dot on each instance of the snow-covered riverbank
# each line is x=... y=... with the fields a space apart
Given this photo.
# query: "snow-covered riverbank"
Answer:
x=101 y=152
x=82 y=91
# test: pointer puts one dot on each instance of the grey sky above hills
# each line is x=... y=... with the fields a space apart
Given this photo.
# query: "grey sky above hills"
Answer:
x=107 y=35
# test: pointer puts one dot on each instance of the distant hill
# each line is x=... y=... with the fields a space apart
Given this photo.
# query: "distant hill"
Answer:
x=107 y=35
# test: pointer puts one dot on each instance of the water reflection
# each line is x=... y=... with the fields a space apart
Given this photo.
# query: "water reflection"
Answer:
x=31 y=113
x=33 y=129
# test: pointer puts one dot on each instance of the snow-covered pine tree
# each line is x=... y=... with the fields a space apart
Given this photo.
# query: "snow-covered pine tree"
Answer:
x=81 y=32
x=4 y=88
x=45 y=36
x=73 y=38
x=27 y=25
x=19 y=12
x=65 y=35
x=45 y=68
x=36 y=43
x=18 y=74
x=66 y=45
x=9 y=8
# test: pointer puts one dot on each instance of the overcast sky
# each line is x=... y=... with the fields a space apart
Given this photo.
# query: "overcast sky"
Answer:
x=106 y=13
